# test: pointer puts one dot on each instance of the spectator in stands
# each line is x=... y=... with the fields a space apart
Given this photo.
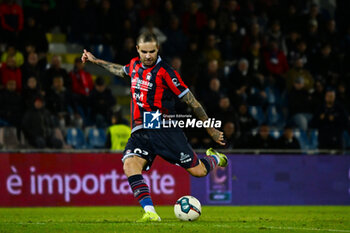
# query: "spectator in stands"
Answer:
x=313 y=15
x=10 y=104
x=167 y=13
x=212 y=96
x=82 y=27
x=151 y=27
x=226 y=111
x=176 y=63
x=287 y=141
x=131 y=20
x=230 y=134
x=263 y=140
x=300 y=52
x=317 y=96
x=101 y=102
x=55 y=70
x=211 y=29
x=192 y=60
x=291 y=20
x=239 y=82
x=312 y=36
x=38 y=127
x=246 y=122
x=211 y=71
x=147 y=10
x=32 y=35
x=298 y=72
x=231 y=42
x=275 y=59
x=118 y=133
x=106 y=18
x=256 y=90
x=211 y=51
x=31 y=67
x=59 y=103
x=299 y=105
x=82 y=85
x=331 y=121
x=292 y=39
x=275 y=34
x=253 y=35
x=9 y=71
x=326 y=64
x=214 y=11
x=44 y=11
x=276 y=65
x=30 y=92
x=343 y=96
x=193 y=20
x=11 y=20
x=255 y=59
x=331 y=35
x=231 y=12
x=176 y=42
x=12 y=51
x=127 y=52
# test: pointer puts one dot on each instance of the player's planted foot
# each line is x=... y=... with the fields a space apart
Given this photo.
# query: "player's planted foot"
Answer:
x=149 y=217
x=223 y=159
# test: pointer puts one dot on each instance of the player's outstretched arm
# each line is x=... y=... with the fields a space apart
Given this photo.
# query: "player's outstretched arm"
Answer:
x=111 y=67
x=200 y=113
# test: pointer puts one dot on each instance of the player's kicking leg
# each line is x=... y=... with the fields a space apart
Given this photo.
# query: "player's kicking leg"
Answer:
x=208 y=163
x=133 y=167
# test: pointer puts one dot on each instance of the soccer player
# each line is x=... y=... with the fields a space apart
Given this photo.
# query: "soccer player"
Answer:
x=154 y=87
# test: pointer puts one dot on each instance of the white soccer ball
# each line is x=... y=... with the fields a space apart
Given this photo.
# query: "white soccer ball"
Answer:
x=187 y=208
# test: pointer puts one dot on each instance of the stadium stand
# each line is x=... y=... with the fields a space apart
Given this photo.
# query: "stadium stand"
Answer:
x=257 y=33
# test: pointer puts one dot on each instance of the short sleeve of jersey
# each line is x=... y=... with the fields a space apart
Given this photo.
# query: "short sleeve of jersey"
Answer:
x=175 y=83
x=128 y=68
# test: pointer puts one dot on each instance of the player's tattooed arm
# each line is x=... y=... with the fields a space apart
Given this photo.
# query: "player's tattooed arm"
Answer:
x=200 y=113
x=197 y=108
x=111 y=67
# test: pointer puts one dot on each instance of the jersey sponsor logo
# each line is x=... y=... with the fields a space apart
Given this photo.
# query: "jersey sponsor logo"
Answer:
x=140 y=104
x=140 y=84
x=151 y=120
x=138 y=96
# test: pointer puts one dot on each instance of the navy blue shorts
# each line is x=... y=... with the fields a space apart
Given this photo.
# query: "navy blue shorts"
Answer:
x=170 y=144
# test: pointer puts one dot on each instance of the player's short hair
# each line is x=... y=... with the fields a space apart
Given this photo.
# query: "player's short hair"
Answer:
x=147 y=37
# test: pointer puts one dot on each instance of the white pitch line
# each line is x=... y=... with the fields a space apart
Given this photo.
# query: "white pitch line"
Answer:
x=285 y=228
x=216 y=225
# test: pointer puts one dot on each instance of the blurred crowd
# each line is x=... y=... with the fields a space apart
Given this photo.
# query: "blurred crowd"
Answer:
x=256 y=65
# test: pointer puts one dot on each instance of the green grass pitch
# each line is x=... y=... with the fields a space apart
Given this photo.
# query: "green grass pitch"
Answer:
x=217 y=219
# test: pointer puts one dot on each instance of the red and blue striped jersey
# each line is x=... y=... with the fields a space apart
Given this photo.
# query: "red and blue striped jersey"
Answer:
x=153 y=88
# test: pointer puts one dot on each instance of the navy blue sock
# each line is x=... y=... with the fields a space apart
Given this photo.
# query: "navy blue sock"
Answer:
x=210 y=162
x=140 y=190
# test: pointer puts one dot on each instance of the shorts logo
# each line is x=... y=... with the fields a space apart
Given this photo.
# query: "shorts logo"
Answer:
x=185 y=157
x=140 y=152
x=151 y=120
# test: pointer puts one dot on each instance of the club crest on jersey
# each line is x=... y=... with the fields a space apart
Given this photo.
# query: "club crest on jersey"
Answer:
x=148 y=76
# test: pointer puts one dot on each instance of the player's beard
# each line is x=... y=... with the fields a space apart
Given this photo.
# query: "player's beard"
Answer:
x=149 y=62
